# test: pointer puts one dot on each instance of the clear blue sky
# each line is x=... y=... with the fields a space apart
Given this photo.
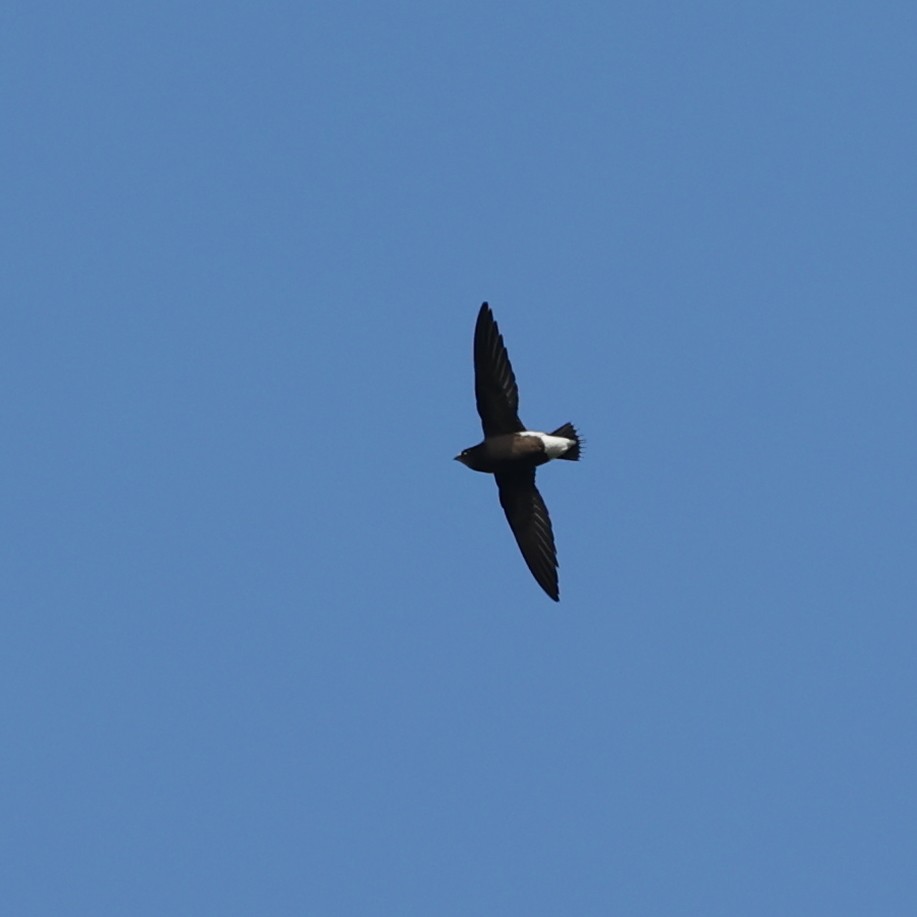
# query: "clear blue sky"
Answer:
x=266 y=649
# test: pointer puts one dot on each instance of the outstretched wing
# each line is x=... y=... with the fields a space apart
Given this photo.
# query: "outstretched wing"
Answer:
x=494 y=383
x=528 y=518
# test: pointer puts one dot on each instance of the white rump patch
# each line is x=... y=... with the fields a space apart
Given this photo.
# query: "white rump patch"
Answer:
x=554 y=446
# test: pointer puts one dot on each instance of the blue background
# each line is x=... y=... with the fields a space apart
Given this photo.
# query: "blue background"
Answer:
x=266 y=649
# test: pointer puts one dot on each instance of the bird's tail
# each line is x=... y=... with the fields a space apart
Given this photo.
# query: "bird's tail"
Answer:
x=568 y=431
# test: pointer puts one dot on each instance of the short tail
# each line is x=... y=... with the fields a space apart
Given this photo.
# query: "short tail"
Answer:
x=568 y=431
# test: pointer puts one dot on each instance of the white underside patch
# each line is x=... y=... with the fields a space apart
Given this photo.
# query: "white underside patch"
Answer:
x=554 y=446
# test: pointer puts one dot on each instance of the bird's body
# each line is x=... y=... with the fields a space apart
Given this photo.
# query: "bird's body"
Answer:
x=511 y=452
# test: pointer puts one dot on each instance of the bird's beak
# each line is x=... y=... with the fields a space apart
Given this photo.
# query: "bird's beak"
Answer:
x=456 y=458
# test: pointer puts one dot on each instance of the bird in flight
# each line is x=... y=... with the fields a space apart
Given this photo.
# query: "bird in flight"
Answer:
x=511 y=453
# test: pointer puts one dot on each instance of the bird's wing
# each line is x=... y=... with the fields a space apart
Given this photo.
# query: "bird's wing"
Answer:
x=494 y=383
x=528 y=518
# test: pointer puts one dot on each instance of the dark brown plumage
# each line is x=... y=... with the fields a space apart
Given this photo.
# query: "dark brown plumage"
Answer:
x=495 y=388
x=511 y=453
